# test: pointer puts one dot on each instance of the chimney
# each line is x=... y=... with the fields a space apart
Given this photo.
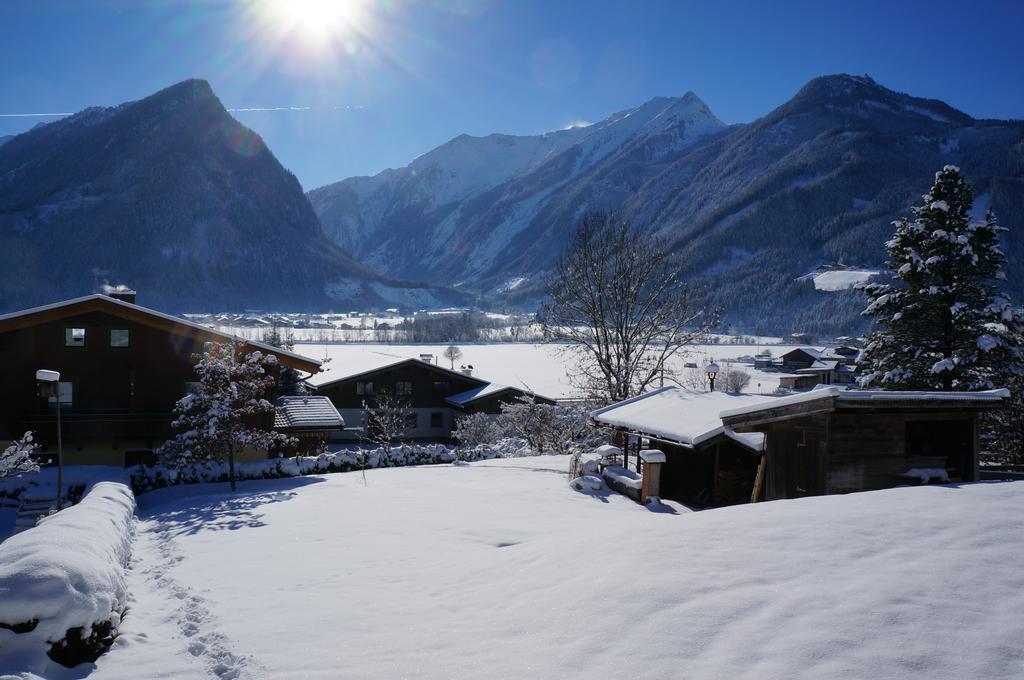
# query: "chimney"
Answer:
x=428 y=358
x=119 y=292
x=466 y=369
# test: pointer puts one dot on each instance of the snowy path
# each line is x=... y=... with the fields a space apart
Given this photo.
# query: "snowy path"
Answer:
x=497 y=569
x=169 y=630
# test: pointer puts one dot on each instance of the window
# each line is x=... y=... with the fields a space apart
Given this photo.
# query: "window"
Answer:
x=120 y=338
x=436 y=420
x=364 y=387
x=74 y=337
x=403 y=388
x=412 y=421
x=441 y=386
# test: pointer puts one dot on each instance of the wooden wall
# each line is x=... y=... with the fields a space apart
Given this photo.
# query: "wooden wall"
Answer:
x=870 y=450
x=861 y=450
x=422 y=375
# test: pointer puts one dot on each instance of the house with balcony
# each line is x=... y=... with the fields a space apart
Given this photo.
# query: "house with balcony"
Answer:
x=122 y=369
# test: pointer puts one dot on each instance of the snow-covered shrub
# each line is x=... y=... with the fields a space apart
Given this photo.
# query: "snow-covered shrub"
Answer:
x=147 y=478
x=584 y=462
x=475 y=429
x=18 y=456
x=548 y=428
x=62 y=583
x=587 y=483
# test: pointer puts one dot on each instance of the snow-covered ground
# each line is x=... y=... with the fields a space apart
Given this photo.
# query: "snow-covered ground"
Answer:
x=498 y=569
x=545 y=369
x=842 y=279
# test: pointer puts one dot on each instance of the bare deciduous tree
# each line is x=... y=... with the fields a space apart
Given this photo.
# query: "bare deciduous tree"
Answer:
x=386 y=419
x=619 y=300
x=453 y=354
x=732 y=379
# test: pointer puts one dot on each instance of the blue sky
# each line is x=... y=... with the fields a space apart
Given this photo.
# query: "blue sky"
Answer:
x=379 y=82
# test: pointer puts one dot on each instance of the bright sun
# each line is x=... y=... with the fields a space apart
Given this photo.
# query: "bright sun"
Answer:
x=319 y=19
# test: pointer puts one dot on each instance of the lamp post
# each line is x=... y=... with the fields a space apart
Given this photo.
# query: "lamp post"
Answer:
x=52 y=381
x=712 y=371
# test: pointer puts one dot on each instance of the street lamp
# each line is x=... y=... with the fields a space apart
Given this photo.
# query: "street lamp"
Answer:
x=712 y=371
x=52 y=381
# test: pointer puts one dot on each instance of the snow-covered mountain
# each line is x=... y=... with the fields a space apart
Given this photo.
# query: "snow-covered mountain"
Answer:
x=454 y=212
x=754 y=207
x=171 y=195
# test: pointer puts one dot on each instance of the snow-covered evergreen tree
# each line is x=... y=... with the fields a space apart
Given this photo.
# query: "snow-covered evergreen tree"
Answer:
x=18 y=457
x=942 y=324
x=226 y=412
x=289 y=381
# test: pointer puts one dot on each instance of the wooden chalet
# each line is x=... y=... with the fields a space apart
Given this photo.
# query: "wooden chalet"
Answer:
x=122 y=369
x=836 y=441
x=433 y=396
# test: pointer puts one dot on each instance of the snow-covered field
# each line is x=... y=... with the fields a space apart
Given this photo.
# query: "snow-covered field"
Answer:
x=499 y=570
x=545 y=369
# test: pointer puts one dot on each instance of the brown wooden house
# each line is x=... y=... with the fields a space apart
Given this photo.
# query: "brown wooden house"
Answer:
x=122 y=369
x=837 y=441
x=433 y=396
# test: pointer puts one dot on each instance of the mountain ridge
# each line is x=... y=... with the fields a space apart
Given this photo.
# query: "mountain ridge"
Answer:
x=176 y=198
x=752 y=206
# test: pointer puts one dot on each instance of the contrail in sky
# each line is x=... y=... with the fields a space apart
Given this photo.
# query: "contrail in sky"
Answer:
x=274 y=108
x=33 y=115
x=235 y=110
x=295 y=108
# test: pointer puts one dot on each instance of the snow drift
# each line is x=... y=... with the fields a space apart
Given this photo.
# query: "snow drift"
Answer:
x=62 y=583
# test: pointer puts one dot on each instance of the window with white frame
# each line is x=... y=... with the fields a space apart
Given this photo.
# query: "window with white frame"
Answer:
x=74 y=337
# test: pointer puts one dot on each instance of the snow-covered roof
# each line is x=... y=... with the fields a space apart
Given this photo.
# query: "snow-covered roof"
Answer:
x=675 y=414
x=861 y=396
x=463 y=398
x=159 y=315
x=819 y=366
x=306 y=413
x=390 y=362
x=806 y=350
x=752 y=440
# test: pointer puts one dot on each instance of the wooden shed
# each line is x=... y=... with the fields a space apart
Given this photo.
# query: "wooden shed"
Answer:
x=706 y=464
x=836 y=441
